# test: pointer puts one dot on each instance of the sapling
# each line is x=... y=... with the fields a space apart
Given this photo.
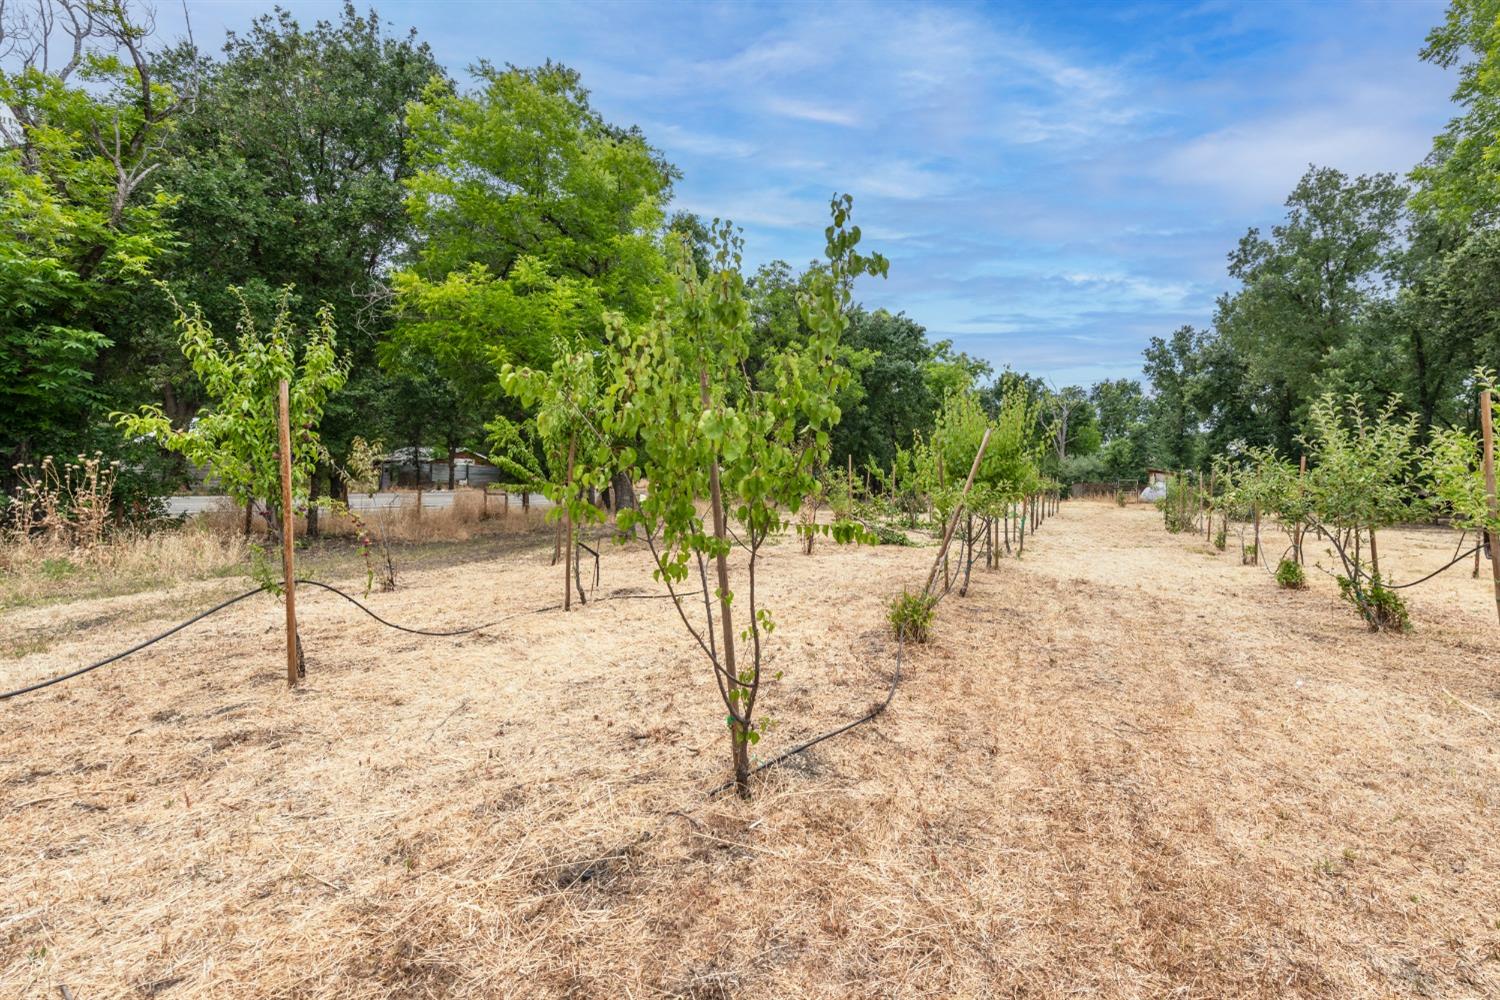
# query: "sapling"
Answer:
x=750 y=447
x=235 y=434
x=579 y=456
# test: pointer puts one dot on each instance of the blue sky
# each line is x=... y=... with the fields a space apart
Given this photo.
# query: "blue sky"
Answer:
x=1053 y=184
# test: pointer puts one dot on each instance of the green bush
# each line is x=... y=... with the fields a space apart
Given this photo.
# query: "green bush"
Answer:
x=1181 y=506
x=911 y=615
x=1221 y=538
x=1249 y=555
x=1381 y=608
x=1289 y=575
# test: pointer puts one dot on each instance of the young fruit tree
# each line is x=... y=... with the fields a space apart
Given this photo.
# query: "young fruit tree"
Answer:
x=578 y=455
x=1453 y=467
x=749 y=447
x=1359 y=480
x=235 y=434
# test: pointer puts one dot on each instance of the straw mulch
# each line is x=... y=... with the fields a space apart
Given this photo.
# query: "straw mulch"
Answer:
x=1125 y=766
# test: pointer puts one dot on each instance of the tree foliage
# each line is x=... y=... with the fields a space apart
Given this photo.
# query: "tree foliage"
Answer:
x=236 y=434
x=750 y=446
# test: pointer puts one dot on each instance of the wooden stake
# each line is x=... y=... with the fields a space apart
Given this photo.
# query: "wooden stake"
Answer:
x=1208 y=506
x=1301 y=528
x=1485 y=423
x=1257 y=560
x=568 y=532
x=953 y=522
x=288 y=574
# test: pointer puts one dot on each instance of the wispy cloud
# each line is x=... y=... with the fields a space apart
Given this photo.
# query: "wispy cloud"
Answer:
x=809 y=111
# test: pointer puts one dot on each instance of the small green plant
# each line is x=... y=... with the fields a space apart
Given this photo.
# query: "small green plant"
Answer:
x=911 y=614
x=1381 y=607
x=1221 y=538
x=1120 y=498
x=1250 y=555
x=57 y=569
x=1289 y=575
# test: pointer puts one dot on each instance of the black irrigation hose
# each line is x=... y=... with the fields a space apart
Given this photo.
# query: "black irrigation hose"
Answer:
x=1429 y=576
x=133 y=649
x=6 y=695
x=420 y=631
x=1389 y=586
x=869 y=716
x=809 y=744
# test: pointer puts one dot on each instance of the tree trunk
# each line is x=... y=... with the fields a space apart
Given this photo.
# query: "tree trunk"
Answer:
x=1374 y=555
x=250 y=514
x=314 y=491
x=738 y=737
x=622 y=496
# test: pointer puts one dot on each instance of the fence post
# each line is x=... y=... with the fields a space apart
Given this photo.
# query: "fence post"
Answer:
x=288 y=525
x=1485 y=423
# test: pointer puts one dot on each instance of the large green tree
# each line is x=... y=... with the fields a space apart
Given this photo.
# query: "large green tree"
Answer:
x=533 y=215
x=896 y=400
x=1460 y=179
x=81 y=218
x=290 y=170
x=1306 y=288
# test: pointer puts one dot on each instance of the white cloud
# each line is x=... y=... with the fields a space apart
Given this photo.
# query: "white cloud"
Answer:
x=811 y=112
x=674 y=137
x=1259 y=162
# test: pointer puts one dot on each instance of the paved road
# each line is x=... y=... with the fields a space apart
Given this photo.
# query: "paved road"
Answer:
x=358 y=501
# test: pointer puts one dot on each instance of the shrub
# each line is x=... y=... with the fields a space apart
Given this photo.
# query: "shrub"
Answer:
x=1120 y=498
x=1289 y=575
x=1221 y=538
x=1381 y=608
x=911 y=615
x=1249 y=555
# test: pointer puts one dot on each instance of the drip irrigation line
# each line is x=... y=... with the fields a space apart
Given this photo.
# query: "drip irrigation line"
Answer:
x=1388 y=586
x=422 y=631
x=869 y=716
x=1441 y=569
x=133 y=649
x=6 y=695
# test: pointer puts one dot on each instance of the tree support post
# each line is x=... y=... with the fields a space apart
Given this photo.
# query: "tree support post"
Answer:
x=1486 y=425
x=288 y=573
x=568 y=529
x=953 y=521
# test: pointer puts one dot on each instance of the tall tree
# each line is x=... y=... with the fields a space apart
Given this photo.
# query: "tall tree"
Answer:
x=291 y=170
x=534 y=215
x=896 y=399
x=1460 y=179
x=1172 y=367
x=1307 y=285
x=1120 y=405
x=81 y=221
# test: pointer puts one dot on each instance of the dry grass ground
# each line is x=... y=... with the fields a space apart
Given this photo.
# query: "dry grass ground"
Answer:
x=1125 y=767
x=37 y=571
